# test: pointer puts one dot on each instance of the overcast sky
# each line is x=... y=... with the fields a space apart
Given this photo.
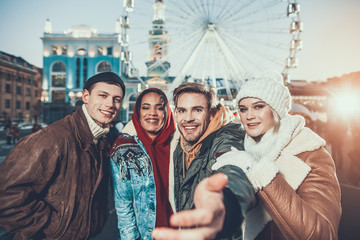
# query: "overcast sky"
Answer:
x=331 y=30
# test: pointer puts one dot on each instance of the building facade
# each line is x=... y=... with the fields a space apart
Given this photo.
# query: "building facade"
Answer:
x=20 y=89
x=157 y=63
x=69 y=59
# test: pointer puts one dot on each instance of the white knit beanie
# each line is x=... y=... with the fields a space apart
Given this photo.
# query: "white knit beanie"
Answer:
x=270 y=88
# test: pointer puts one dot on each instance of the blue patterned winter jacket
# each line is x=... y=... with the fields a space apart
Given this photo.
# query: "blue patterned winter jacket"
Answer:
x=134 y=188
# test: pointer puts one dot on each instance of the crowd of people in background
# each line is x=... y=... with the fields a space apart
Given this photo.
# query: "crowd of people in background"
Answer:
x=12 y=132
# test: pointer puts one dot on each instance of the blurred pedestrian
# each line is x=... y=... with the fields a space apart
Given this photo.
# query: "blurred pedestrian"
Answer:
x=8 y=133
x=15 y=133
x=36 y=127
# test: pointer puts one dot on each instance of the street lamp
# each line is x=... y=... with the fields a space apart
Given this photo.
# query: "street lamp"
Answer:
x=74 y=97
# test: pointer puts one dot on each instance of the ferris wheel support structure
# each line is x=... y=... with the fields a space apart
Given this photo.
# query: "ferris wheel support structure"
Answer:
x=224 y=42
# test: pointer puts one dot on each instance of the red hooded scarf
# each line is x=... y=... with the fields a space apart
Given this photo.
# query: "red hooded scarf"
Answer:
x=159 y=152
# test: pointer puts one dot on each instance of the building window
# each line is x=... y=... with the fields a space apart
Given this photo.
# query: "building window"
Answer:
x=109 y=51
x=28 y=92
x=58 y=80
x=132 y=101
x=8 y=77
x=58 y=74
x=58 y=96
x=77 y=72
x=19 y=80
x=8 y=88
x=103 y=67
x=18 y=90
x=85 y=69
x=59 y=67
x=59 y=50
x=81 y=51
x=101 y=51
x=7 y=103
x=29 y=81
x=27 y=105
x=18 y=104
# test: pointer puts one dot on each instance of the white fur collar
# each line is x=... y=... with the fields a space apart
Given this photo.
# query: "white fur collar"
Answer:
x=293 y=169
x=129 y=128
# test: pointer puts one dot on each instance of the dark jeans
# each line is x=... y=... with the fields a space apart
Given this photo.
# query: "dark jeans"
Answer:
x=8 y=140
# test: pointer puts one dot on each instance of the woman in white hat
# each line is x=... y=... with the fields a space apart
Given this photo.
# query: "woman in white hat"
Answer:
x=294 y=176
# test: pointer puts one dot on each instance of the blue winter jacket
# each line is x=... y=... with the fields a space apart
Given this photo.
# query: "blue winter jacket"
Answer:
x=134 y=188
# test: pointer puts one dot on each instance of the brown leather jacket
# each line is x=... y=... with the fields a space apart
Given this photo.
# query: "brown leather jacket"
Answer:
x=313 y=211
x=54 y=183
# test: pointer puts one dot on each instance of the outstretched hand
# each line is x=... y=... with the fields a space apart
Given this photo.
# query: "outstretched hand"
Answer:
x=203 y=222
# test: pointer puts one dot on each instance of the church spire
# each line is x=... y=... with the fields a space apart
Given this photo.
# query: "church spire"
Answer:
x=48 y=27
x=159 y=10
x=157 y=64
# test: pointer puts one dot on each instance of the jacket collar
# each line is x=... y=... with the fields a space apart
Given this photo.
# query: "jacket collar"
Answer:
x=129 y=128
x=293 y=169
x=82 y=129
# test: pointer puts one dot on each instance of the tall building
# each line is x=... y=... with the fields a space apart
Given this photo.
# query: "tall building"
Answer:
x=157 y=62
x=69 y=59
x=158 y=39
x=20 y=89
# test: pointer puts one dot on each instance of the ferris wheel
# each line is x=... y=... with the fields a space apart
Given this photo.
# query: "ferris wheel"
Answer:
x=219 y=42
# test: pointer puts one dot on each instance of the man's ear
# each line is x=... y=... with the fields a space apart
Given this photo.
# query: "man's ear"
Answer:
x=85 y=95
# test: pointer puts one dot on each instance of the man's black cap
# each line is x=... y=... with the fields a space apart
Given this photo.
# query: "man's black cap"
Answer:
x=106 y=77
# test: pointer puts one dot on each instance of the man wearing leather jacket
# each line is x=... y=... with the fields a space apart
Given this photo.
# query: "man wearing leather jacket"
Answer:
x=54 y=182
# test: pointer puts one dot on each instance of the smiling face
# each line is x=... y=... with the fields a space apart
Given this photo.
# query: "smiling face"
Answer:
x=152 y=113
x=192 y=116
x=256 y=117
x=103 y=102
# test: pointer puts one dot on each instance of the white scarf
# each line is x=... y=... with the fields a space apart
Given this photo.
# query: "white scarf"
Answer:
x=271 y=144
x=270 y=148
x=95 y=129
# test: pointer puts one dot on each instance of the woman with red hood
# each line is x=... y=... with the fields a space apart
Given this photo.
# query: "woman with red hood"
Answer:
x=140 y=159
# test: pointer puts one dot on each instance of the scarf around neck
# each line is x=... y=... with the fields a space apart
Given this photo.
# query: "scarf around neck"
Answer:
x=159 y=152
x=95 y=129
x=271 y=144
x=269 y=148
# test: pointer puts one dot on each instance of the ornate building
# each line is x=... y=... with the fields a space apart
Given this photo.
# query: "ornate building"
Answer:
x=158 y=39
x=69 y=59
x=20 y=89
x=157 y=64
